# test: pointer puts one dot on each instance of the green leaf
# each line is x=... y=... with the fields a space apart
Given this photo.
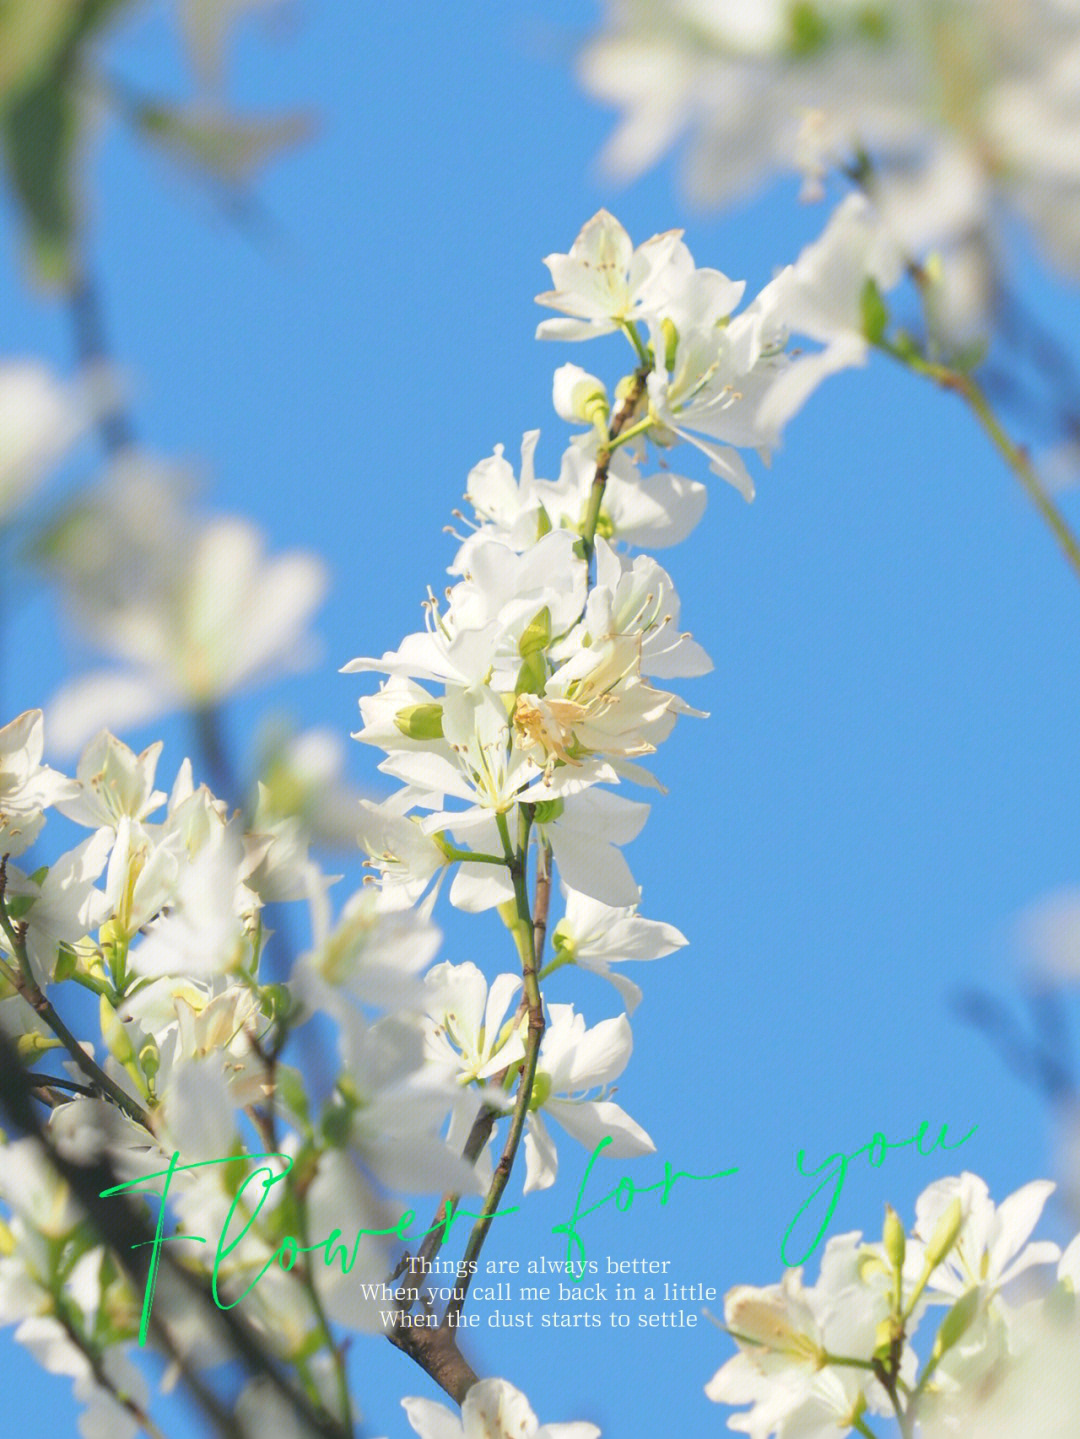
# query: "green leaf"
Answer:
x=31 y=34
x=532 y=677
x=40 y=136
x=537 y=634
x=875 y=313
x=41 y=118
x=229 y=148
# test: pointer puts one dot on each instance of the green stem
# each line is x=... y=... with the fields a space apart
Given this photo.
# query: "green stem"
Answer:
x=337 y=1351
x=466 y=856
x=1014 y=455
x=603 y=459
x=31 y=992
x=524 y=937
x=633 y=334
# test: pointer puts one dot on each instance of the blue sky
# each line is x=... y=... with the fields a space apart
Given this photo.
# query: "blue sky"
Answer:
x=888 y=772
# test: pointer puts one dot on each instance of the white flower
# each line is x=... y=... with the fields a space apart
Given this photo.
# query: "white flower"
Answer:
x=594 y=936
x=396 y=845
x=67 y=906
x=585 y=828
x=820 y=296
x=784 y=1333
x=477 y=640
x=113 y=782
x=604 y=282
x=990 y=1248
x=27 y=787
x=303 y=776
x=572 y=1062
x=657 y=510
x=372 y=953
x=492 y=1409
x=466 y=1031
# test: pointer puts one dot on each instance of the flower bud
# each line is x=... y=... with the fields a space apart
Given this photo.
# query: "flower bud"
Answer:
x=336 y=1125
x=957 y=1322
x=67 y=961
x=279 y=999
x=547 y=811
x=32 y=1044
x=579 y=398
x=532 y=677
x=114 y=1034
x=894 y=1239
x=671 y=342
x=423 y=722
x=541 y=1090
x=945 y=1234
x=150 y=1058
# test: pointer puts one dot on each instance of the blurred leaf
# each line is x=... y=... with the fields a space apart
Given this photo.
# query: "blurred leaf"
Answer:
x=40 y=136
x=228 y=147
x=41 y=119
x=206 y=25
x=31 y=33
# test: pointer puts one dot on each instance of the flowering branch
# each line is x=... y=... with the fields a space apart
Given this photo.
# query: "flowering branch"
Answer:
x=24 y=982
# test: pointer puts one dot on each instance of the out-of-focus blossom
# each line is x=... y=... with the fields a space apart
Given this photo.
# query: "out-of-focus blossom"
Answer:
x=40 y=418
x=492 y=1409
x=957 y=105
x=1049 y=935
x=201 y=611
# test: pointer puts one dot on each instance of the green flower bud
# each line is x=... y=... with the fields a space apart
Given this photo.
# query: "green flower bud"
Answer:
x=114 y=1034
x=957 y=1322
x=671 y=342
x=67 y=962
x=547 y=811
x=278 y=998
x=894 y=1239
x=32 y=1044
x=945 y=1234
x=883 y=1338
x=875 y=314
x=420 y=721
x=541 y=1090
x=562 y=943
x=150 y=1058
x=809 y=29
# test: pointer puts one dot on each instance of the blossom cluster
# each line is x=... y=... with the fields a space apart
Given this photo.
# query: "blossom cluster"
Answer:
x=813 y=1360
x=950 y=107
x=542 y=683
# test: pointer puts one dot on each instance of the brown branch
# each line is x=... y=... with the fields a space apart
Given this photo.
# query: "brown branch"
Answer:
x=121 y=1224
x=622 y=417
